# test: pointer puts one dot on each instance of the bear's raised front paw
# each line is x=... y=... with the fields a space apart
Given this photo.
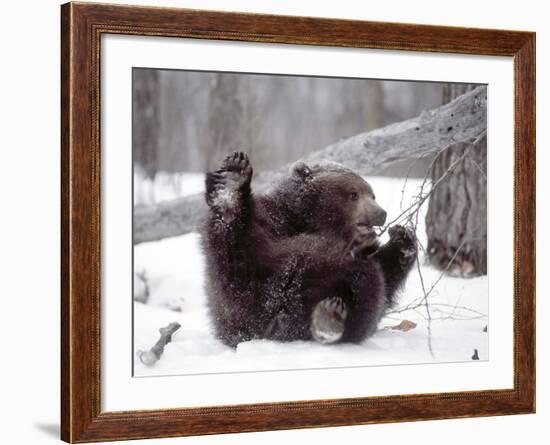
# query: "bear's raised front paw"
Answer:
x=233 y=176
x=327 y=320
x=405 y=240
x=237 y=170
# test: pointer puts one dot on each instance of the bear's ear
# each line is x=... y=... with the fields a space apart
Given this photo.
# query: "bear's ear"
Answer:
x=301 y=170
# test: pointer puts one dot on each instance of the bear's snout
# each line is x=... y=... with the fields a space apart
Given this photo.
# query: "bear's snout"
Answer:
x=370 y=213
x=379 y=217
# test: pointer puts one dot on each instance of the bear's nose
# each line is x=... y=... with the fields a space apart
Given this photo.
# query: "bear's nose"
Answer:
x=379 y=217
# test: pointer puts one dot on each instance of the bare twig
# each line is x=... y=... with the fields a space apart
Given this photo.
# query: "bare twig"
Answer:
x=473 y=161
x=421 y=301
x=409 y=217
x=421 y=198
x=458 y=313
x=152 y=356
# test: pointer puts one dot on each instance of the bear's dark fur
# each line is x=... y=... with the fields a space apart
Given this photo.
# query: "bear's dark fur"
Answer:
x=301 y=261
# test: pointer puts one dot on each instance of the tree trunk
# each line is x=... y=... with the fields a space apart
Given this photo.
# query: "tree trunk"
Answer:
x=456 y=222
x=146 y=120
x=375 y=106
x=225 y=118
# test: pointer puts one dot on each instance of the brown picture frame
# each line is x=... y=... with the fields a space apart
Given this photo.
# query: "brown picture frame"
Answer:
x=82 y=25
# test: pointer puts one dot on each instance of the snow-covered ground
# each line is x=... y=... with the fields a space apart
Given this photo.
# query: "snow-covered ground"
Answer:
x=174 y=271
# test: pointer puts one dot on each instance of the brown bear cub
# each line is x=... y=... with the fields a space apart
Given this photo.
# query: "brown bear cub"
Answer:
x=301 y=261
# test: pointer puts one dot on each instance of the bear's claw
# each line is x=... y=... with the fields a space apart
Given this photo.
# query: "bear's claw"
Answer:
x=237 y=161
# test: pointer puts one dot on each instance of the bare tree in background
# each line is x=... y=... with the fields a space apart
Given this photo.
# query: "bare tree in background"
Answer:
x=375 y=114
x=456 y=222
x=146 y=120
x=226 y=125
x=254 y=132
x=282 y=118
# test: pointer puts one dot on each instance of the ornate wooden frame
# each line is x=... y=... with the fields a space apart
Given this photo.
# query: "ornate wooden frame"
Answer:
x=81 y=28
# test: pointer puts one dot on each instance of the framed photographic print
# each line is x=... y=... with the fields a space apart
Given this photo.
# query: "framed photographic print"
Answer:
x=274 y=222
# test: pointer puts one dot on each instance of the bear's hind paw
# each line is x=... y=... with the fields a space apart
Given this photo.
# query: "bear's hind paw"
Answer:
x=328 y=320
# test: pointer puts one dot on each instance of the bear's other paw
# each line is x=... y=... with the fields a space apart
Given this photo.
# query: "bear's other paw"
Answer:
x=405 y=240
x=328 y=320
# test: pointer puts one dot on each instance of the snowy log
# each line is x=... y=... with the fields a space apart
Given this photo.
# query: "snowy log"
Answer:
x=170 y=218
x=461 y=120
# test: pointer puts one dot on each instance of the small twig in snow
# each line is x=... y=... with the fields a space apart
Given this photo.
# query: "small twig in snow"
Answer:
x=152 y=356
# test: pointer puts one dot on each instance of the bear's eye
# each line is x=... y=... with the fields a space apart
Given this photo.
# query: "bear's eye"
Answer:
x=353 y=196
x=373 y=198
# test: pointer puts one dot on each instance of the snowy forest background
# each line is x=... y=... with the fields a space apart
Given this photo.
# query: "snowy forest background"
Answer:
x=426 y=170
